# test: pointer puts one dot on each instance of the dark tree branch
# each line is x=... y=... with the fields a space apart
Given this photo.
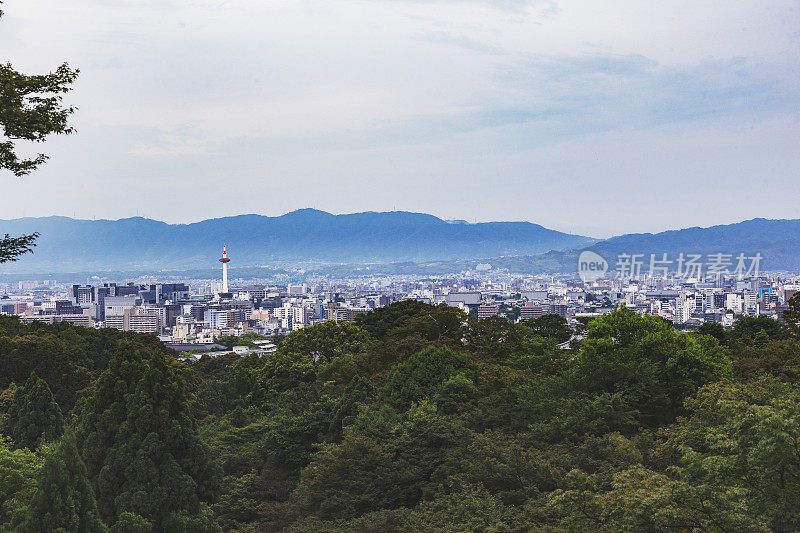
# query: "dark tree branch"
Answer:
x=13 y=247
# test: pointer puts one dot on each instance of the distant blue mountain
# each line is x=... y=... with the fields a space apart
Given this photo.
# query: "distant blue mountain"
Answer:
x=68 y=245
x=778 y=242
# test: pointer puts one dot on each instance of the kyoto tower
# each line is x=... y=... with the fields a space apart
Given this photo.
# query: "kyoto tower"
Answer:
x=224 y=260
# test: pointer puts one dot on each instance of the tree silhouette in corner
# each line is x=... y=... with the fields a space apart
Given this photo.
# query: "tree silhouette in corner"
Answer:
x=31 y=109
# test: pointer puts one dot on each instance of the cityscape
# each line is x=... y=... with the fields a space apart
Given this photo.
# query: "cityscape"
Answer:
x=399 y=266
x=189 y=315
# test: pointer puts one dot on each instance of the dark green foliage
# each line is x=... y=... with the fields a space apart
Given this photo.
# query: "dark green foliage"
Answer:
x=749 y=330
x=425 y=374
x=713 y=329
x=741 y=440
x=31 y=110
x=245 y=340
x=64 y=500
x=34 y=416
x=384 y=319
x=497 y=340
x=69 y=358
x=324 y=343
x=418 y=419
x=17 y=482
x=424 y=406
x=211 y=384
x=139 y=440
x=365 y=474
x=731 y=465
x=642 y=358
x=551 y=327
x=348 y=480
x=132 y=523
x=792 y=315
x=764 y=346
x=359 y=392
x=441 y=325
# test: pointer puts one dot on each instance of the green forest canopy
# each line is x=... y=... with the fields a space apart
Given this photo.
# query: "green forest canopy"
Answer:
x=414 y=418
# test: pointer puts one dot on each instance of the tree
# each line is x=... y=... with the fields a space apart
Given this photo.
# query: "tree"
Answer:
x=380 y=321
x=64 y=500
x=550 y=326
x=347 y=480
x=13 y=247
x=441 y=325
x=229 y=341
x=494 y=338
x=311 y=356
x=69 y=358
x=583 y=322
x=743 y=439
x=30 y=110
x=34 y=416
x=465 y=507
x=323 y=343
x=714 y=329
x=365 y=474
x=142 y=450
x=731 y=464
x=648 y=362
x=643 y=500
x=17 y=482
x=105 y=411
x=424 y=374
x=747 y=330
x=792 y=315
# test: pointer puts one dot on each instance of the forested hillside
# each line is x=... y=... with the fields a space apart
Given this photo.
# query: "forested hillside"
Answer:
x=412 y=419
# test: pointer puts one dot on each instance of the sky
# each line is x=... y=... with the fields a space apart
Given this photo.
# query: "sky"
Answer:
x=598 y=118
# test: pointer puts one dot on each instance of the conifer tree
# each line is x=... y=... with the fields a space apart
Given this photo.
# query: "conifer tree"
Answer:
x=141 y=445
x=104 y=412
x=34 y=416
x=18 y=470
x=64 y=500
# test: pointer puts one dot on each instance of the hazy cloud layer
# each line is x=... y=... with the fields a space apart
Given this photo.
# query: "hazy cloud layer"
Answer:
x=597 y=117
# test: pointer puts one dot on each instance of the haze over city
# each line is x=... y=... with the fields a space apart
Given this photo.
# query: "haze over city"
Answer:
x=549 y=112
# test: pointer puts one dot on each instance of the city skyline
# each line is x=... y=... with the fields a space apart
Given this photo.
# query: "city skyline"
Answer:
x=441 y=107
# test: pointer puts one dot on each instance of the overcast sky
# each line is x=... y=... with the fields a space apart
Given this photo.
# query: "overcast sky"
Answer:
x=585 y=116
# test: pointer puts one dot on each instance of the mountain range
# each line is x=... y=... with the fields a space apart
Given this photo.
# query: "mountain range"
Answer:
x=312 y=236
x=777 y=241
x=306 y=235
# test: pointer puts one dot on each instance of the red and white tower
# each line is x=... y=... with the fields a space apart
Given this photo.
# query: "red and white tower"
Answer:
x=224 y=260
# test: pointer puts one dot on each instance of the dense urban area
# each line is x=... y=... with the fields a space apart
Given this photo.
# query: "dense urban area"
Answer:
x=190 y=316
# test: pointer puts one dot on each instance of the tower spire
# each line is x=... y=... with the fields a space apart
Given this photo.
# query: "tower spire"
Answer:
x=224 y=260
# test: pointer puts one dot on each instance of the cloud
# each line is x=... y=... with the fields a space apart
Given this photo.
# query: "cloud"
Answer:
x=635 y=91
x=172 y=144
x=328 y=101
x=544 y=7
